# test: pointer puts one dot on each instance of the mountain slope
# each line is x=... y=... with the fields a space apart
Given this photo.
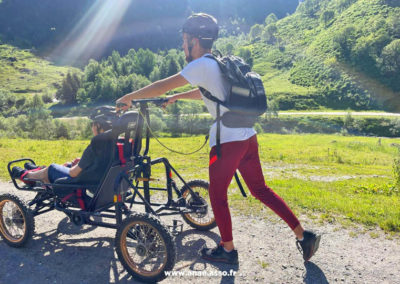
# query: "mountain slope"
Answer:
x=335 y=54
x=22 y=72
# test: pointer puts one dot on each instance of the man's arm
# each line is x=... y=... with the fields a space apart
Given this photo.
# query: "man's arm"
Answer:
x=155 y=89
x=192 y=95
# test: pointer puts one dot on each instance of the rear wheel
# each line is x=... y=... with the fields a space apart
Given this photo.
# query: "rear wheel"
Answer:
x=16 y=221
x=202 y=217
x=145 y=247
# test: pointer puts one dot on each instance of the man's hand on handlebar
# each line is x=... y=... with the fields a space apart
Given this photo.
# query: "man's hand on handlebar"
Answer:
x=123 y=104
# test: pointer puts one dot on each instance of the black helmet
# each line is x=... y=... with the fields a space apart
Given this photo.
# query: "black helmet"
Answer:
x=202 y=26
x=104 y=116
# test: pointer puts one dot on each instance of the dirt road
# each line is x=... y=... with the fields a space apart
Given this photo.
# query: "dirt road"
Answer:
x=60 y=252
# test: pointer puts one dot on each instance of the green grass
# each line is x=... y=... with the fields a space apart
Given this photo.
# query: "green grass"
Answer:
x=23 y=72
x=323 y=177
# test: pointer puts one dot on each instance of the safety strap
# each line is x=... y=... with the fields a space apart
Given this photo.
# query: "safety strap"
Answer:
x=218 y=130
x=31 y=183
x=208 y=95
x=78 y=194
x=240 y=185
x=121 y=157
x=29 y=171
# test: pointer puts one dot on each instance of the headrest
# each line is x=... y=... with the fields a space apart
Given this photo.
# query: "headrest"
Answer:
x=126 y=122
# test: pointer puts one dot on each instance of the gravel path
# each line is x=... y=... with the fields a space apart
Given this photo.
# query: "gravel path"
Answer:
x=60 y=252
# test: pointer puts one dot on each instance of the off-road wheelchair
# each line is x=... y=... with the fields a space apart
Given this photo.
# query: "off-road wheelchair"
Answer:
x=144 y=245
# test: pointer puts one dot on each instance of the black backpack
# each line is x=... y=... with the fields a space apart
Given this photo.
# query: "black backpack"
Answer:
x=246 y=99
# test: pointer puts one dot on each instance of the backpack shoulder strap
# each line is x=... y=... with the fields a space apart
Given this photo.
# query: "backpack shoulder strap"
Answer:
x=209 y=96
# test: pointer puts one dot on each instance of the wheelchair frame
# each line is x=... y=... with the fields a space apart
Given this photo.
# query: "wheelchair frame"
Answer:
x=139 y=169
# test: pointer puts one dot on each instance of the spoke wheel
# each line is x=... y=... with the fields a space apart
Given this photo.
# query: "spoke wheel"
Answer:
x=16 y=221
x=203 y=218
x=145 y=247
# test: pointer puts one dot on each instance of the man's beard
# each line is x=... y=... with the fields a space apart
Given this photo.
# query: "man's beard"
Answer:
x=189 y=58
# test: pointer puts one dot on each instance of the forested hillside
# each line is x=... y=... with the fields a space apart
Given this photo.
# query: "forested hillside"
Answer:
x=335 y=54
x=57 y=27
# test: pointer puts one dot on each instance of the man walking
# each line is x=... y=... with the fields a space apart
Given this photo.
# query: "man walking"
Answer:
x=238 y=146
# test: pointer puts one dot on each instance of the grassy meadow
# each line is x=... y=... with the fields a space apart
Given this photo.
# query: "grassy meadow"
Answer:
x=329 y=178
x=23 y=72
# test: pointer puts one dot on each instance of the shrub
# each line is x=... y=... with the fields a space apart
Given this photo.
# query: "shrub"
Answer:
x=396 y=170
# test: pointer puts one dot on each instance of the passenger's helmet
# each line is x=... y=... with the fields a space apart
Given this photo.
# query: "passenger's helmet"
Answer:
x=104 y=116
x=202 y=26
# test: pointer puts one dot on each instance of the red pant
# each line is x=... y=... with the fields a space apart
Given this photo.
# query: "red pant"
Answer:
x=242 y=155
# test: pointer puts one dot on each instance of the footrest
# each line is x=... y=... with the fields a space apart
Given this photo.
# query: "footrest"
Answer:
x=176 y=227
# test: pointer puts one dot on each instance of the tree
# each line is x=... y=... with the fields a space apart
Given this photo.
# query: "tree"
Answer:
x=390 y=63
x=229 y=49
x=155 y=74
x=91 y=70
x=145 y=61
x=245 y=53
x=255 y=32
x=115 y=61
x=310 y=7
x=344 y=4
x=61 y=130
x=271 y=18
x=69 y=88
x=169 y=66
x=394 y=25
x=326 y=17
x=269 y=33
x=344 y=41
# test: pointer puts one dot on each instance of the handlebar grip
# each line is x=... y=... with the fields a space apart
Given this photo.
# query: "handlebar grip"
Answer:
x=120 y=105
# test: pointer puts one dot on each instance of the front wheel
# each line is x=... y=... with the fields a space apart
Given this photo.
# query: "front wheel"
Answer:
x=16 y=221
x=202 y=217
x=145 y=247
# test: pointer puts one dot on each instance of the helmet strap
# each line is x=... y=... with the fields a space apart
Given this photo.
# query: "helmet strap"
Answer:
x=189 y=58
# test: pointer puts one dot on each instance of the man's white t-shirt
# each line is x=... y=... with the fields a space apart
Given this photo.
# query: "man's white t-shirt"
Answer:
x=205 y=72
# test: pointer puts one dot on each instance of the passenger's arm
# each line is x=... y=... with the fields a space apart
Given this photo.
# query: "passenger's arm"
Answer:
x=155 y=89
x=75 y=171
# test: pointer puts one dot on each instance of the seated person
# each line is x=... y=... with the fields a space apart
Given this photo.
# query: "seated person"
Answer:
x=89 y=169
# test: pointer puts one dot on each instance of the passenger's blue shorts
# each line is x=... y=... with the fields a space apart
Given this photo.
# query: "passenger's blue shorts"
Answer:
x=57 y=171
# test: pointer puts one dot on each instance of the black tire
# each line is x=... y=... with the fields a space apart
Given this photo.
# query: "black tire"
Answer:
x=17 y=224
x=205 y=220
x=152 y=240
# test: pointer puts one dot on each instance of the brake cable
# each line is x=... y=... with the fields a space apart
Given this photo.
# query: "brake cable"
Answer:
x=166 y=147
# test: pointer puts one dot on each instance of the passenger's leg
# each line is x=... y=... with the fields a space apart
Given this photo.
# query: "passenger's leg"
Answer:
x=40 y=175
x=50 y=174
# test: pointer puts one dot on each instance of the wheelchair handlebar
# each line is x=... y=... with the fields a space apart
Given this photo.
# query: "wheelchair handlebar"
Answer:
x=156 y=101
